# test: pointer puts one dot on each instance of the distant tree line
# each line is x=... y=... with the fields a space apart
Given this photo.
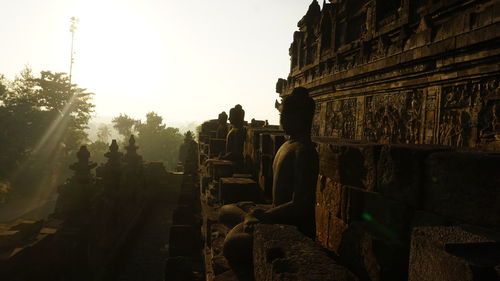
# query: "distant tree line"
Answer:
x=157 y=142
x=43 y=121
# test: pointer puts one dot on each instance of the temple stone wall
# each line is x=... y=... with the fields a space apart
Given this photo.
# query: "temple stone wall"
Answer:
x=383 y=212
x=407 y=71
x=373 y=201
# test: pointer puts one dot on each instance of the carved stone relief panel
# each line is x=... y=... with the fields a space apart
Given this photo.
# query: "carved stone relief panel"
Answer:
x=316 y=125
x=455 y=124
x=458 y=115
x=341 y=118
x=470 y=114
x=394 y=117
x=489 y=115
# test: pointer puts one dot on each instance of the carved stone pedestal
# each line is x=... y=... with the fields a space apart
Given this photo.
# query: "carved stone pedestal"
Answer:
x=281 y=252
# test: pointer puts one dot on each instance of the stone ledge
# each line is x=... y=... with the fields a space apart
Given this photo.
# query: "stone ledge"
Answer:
x=400 y=169
x=464 y=186
x=459 y=253
x=281 y=252
x=349 y=164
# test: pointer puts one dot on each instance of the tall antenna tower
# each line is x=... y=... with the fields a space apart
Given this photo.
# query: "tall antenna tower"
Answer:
x=74 y=21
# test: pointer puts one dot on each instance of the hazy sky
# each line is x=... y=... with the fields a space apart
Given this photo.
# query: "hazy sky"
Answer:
x=188 y=60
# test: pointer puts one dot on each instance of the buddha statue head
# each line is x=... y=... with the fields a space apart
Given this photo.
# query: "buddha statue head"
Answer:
x=223 y=118
x=237 y=116
x=297 y=111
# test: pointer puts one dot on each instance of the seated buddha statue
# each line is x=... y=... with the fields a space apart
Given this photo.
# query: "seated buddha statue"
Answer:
x=295 y=172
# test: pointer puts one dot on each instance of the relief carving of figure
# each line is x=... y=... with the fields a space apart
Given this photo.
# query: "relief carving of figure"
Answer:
x=413 y=122
x=490 y=112
x=445 y=130
x=393 y=118
x=341 y=119
x=461 y=105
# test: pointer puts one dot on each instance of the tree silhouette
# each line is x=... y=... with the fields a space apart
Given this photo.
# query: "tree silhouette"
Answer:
x=158 y=142
x=104 y=133
x=43 y=120
x=125 y=125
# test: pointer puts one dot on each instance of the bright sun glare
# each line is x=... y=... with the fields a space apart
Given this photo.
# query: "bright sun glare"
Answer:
x=115 y=43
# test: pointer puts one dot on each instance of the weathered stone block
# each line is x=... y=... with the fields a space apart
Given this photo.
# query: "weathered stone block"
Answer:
x=217 y=147
x=209 y=125
x=329 y=195
x=322 y=217
x=400 y=169
x=253 y=148
x=424 y=218
x=350 y=164
x=253 y=138
x=464 y=186
x=220 y=168
x=281 y=252
x=371 y=255
x=455 y=253
x=386 y=217
x=330 y=203
x=233 y=190
x=336 y=229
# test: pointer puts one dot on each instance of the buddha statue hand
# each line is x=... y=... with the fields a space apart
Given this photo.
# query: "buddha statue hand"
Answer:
x=254 y=217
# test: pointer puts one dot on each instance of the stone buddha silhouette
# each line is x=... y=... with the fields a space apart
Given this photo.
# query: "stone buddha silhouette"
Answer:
x=222 y=128
x=236 y=137
x=188 y=154
x=295 y=171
